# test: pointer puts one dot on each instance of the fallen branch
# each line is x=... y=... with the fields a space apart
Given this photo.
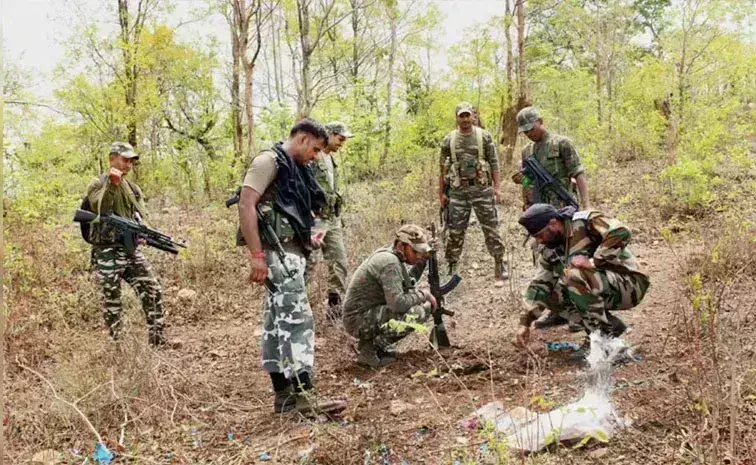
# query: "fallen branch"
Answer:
x=61 y=399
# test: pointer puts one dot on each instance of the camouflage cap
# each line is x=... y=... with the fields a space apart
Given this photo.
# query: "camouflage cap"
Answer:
x=123 y=149
x=526 y=119
x=338 y=128
x=537 y=216
x=463 y=107
x=414 y=235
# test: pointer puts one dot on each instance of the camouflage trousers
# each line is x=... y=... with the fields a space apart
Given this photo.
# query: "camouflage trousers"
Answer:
x=113 y=264
x=583 y=296
x=334 y=254
x=461 y=201
x=372 y=324
x=288 y=338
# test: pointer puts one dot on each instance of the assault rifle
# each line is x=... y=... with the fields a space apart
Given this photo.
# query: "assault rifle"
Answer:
x=439 y=337
x=131 y=231
x=443 y=215
x=268 y=236
x=543 y=180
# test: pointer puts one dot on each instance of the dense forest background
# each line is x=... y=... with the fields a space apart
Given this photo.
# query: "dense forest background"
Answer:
x=668 y=81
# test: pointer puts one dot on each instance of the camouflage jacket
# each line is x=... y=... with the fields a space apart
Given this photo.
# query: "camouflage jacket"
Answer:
x=588 y=233
x=383 y=279
x=557 y=154
x=105 y=198
x=333 y=196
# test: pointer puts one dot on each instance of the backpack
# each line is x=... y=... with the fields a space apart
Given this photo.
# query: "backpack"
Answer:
x=86 y=227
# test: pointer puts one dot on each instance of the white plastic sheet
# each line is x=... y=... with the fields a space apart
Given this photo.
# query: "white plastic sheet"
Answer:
x=591 y=416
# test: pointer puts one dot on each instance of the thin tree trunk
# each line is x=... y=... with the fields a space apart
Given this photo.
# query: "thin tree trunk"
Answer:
x=236 y=118
x=522 y=76
x=389 y=86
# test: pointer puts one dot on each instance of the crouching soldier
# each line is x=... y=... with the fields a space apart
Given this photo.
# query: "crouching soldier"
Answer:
x=584 y=271
x=383 y=289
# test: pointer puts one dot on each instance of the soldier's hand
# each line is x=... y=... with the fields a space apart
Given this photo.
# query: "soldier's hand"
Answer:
x=317 y=240
x=258 y=270
x=518 y=177
x=497 y=196
x=432 y=301
x=115 y=176
x=443 y=199
x=581 y=261
x=522 y=338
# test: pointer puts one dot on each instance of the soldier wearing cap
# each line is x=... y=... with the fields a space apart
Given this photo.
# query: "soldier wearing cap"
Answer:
x=585 y=271
x=329 y=219
x=382 y=289
x=469 y=179
x=557 y=154
x=112 y=193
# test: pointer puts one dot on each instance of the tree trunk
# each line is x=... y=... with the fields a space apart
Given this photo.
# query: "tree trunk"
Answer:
x=248 y=83
x=389 y=86
x=130 y=67
x=522 y=76
x=236 y=118
x=508 y=123
x=305 y=99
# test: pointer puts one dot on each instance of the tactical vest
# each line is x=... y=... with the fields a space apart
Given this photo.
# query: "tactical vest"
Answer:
x=453 y=168
x=278 y=220
x=99 y=233
x=553 y=161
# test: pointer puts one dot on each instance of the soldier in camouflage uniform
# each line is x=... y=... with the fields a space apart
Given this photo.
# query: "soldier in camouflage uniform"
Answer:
x=586 y=270
x=469 y=169
x=329 y=219
x=557 y=154
x=113 y=193
x=279 y=185
x=382 y=290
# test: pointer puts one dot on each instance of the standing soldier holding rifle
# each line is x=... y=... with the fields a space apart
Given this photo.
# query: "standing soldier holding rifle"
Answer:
x=469 y=179
x=280 y=190
x=549 y=164
x=114 y=252
x=557 y=155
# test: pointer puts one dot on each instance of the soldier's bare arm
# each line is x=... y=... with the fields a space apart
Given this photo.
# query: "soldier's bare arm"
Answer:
x=248 y=221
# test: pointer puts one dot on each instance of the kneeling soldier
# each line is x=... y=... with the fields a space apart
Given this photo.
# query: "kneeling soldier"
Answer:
x=383 y=289
x=584 y=270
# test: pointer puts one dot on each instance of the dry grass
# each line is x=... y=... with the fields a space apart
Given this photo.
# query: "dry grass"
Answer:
x=209 y=402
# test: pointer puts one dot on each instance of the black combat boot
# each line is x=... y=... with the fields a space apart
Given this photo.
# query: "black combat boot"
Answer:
x=453 y=268
x=500 y=269
x=551 y=321
x=615 y=328
x=333 y=310
x=285 y=400
x=368 y=355
x=308 y=403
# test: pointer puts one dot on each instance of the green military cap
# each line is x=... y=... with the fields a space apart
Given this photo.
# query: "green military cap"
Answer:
x=414 y=235
x=337 y=128
x=463 y=107
x=537 y=216
x=123 y=149
x=526 y=119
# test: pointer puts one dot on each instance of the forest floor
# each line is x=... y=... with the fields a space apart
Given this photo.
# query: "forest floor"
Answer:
x=209 y=401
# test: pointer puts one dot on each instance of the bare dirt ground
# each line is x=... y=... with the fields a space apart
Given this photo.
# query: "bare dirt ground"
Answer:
x=210 y=402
